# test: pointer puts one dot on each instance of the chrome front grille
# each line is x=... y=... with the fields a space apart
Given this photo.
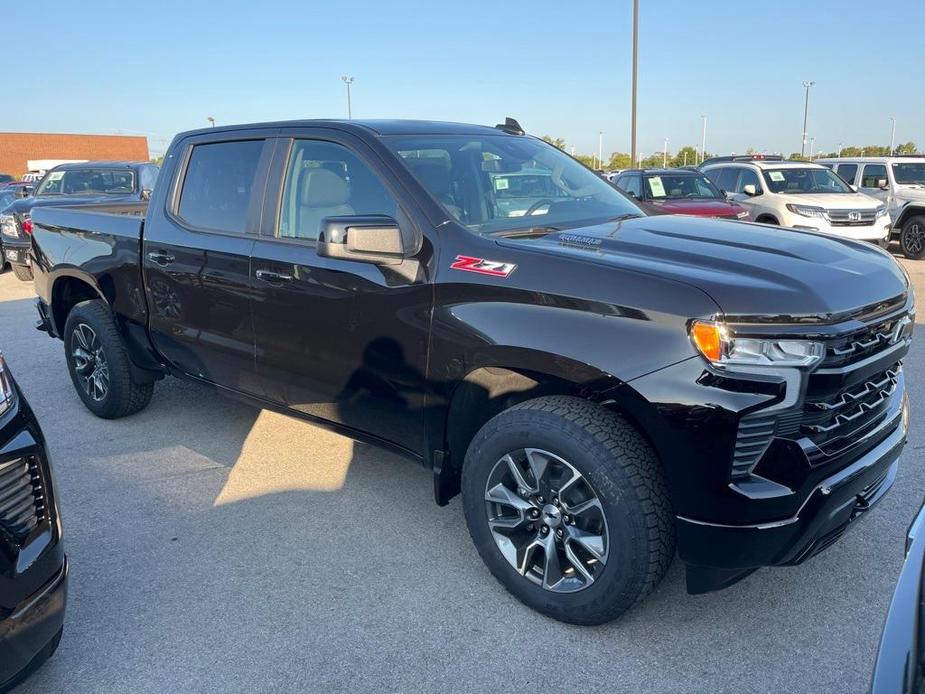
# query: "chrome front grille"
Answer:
x=22 y=497
x=851 y=217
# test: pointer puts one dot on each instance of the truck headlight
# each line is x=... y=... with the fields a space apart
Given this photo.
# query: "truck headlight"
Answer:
x=7 y=394
x=881 y=211
x=8 y=226
x=714 y=341
x=806 y=210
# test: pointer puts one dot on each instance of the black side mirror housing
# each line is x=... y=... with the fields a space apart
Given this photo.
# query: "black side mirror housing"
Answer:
x=145 y=193
x=362 y=238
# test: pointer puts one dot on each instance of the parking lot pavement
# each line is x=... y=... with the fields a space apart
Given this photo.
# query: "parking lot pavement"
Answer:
x=217 y=547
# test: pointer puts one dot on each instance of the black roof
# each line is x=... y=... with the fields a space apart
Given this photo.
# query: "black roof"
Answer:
x=663 y=170
x=373 y=126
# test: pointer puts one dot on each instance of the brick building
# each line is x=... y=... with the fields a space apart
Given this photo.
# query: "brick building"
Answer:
x=18 y=148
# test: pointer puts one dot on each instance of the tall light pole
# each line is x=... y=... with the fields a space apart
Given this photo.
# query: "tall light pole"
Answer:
x=703 y=139
x=892 y=135
x=839 y=149
x=211 y=121
x=665 y=154
x=812 y=146
x=600 y=150
x=806 y=86
x=635 y=70
x=348 y=81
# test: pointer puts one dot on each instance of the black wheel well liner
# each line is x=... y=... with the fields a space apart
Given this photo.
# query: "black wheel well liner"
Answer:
x=66 y=293
x=910 y=210
x=766 y=218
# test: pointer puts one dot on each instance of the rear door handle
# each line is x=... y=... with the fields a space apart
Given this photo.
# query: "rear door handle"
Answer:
x=272 y=277
x=161 y=258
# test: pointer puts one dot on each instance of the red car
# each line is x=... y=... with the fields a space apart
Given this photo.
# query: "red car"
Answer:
x=678 y=191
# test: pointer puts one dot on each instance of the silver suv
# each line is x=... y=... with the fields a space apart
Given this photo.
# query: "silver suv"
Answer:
x=900 y=183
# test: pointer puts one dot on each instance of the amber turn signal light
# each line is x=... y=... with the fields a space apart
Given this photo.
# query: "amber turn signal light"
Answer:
x=708 y=338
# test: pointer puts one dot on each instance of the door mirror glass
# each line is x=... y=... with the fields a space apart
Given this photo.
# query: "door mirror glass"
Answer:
x=373 y=239
x=750 y=190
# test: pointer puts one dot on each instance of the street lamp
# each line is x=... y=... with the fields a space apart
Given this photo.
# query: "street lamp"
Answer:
x=839 y=149
x=211 y=121
x=703 y=139
x=635 y=71
x=600 y=150
x=665 y=155
x=892 y=135
x=812 y=146
x=348 y=81
x=806 y=86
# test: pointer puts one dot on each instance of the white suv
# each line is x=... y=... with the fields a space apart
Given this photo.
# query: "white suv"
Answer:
x=899 y=182
x=801 y=195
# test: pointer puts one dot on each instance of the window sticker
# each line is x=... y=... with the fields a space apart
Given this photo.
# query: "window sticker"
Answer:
x=776 y=176
x=502 y=184
x=658 y=188
x=55 y=175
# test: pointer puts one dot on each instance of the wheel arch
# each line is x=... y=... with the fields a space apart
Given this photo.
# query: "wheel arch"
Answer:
x=910 y=210
x=67 y=291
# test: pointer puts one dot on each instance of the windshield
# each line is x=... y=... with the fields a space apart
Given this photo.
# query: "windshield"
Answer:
x=87 y=182
x=802 y=181
x=502 y=182
x=910 y=172
x=680 y=186
x=7 y=198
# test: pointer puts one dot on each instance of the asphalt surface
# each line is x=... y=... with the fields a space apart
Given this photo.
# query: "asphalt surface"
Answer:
x=217 y=547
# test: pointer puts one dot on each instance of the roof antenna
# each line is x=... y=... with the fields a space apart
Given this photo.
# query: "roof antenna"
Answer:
x=511 y=126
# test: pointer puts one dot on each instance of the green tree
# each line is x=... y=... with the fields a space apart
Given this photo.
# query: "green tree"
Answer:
x=555 y=142
x=907 y=148
x=686 y=156
x=618 y=160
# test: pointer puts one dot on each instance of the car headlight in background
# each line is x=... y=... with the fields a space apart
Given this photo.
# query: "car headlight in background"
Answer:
x=881 y=211
x=8 y=226
x=7 y=394
x=806 y=210
x=714 y=341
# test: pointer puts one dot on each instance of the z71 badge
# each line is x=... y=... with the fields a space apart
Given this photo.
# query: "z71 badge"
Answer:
x=482 y=266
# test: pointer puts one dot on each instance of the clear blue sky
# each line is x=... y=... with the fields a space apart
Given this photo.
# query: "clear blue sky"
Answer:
x=561 y=68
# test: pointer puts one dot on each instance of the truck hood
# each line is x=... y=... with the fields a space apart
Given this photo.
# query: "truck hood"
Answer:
x=834 y=201
x=747 y=269
x=700 y=208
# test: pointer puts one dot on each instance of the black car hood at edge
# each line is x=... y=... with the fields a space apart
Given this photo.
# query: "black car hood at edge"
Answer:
x=748 y=269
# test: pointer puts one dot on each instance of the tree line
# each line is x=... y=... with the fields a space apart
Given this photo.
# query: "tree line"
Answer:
x=689 y=155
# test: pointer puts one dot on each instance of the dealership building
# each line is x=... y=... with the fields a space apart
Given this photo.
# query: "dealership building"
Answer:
x=17 y=150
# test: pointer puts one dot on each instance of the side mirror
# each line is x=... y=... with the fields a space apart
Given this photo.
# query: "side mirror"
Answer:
x=364 y=239
x=750 y=190
x=883 y=184
x=145 y=193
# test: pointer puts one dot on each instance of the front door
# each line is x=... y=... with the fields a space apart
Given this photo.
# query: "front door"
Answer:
x=196 y=261
x=340 y=340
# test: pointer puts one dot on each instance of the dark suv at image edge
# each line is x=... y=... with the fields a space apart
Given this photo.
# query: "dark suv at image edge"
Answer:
x=600 y=385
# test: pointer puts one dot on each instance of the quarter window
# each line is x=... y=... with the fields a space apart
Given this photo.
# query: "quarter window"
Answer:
x=847 y=172
x=873 y=174
x=217 y=187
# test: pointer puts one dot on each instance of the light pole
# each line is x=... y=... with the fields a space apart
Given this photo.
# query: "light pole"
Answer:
x=839 y=149
x=635 y=70
x=211 y=121
x=892 y=135
x=703 y=139
x=806 y=86
x=348 y=81
x=665 y=154
x=600 y=150
x=812 y=146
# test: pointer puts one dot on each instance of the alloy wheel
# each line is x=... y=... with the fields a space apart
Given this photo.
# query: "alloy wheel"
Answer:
x=90 y=363
x=914 y=238
x=547 y=521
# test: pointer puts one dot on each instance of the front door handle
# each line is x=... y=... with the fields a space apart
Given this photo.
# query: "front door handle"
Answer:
x=162 y=258
x=272 y=277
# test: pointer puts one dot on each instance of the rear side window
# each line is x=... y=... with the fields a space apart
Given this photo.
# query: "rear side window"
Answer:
x=873 y=173
x=217 y=186
x=631 y=183
x=847 y=172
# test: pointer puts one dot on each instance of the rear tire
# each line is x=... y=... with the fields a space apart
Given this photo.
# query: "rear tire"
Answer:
x=99 y=363
x=615 y=521
x=912 y=238
x=22 y=273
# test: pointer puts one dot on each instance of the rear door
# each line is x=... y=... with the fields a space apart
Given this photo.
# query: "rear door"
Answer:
x=196 y=257
x=338 y=339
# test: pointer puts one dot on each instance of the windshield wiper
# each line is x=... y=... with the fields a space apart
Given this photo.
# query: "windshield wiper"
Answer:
x=628 y=215
x=525 y=233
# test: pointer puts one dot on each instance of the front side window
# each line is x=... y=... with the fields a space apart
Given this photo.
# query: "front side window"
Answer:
x=632 y=184
x=492 y=182
x=217 y=186
x=749 y=177
x=88 y=182
x=325 y=179
x=680 y=186
x=800 y=180
x=909 y=173
x=847 y=172
x=873 y=175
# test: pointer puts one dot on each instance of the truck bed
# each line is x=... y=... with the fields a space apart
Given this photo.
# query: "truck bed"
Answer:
x=124 y=220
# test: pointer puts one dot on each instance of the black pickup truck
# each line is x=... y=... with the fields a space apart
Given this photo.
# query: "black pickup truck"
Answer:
x=601 y=386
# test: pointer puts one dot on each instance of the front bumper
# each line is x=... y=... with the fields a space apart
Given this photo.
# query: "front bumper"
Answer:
x=878 y=231
x=29 y=635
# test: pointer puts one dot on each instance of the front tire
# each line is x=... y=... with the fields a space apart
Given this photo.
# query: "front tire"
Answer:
x=567 y=506
x=22 y=273
x=912 y=238
x=99 y=363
